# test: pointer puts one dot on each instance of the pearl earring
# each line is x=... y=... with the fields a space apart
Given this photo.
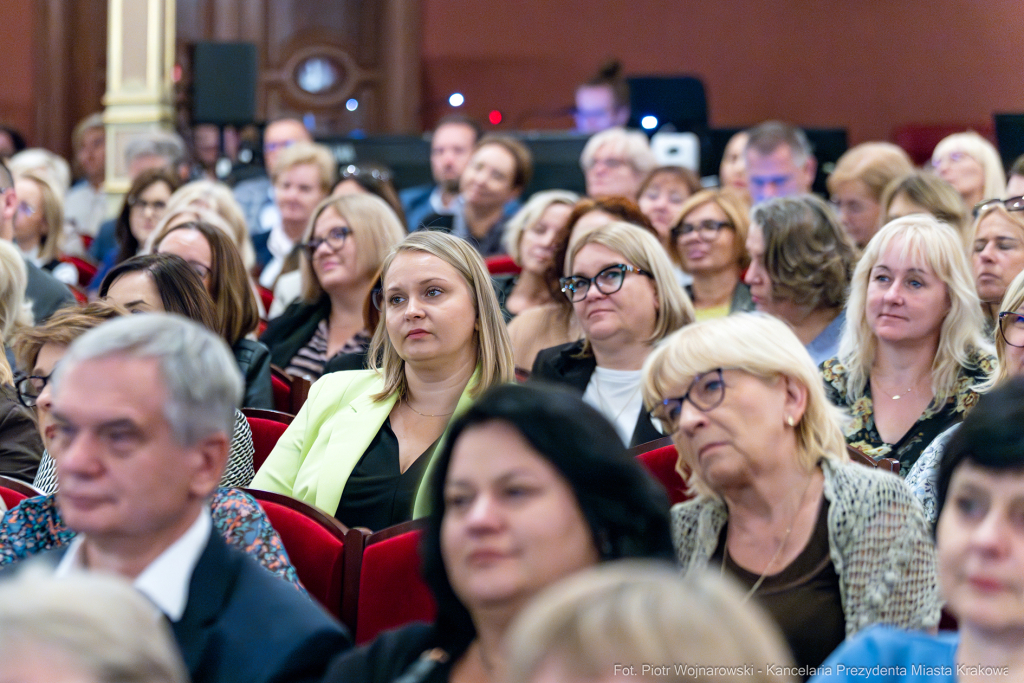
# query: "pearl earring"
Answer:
x=790 y=421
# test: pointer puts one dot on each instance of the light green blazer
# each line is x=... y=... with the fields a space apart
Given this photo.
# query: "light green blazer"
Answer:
x=316 y=454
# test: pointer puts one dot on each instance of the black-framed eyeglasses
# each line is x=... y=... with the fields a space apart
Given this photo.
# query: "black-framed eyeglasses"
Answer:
x=1010 y=204
x=29 y=389
x=335 y=239
x=608 y=281
x=706 y=392
x=706 y=230
x=142 y=204
x=1011 y=327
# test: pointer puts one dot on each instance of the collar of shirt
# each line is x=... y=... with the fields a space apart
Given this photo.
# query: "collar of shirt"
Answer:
x=165 y=581
x=437 y=204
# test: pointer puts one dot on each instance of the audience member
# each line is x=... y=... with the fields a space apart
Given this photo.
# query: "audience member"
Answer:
x=210 y=251
x=531 y=238
x=858 y=181
x=42 y=291
x=83 y=628
x=709 y=243
x=360 y=445
x=980 y=486
x=827 y=546
x=51 y=167
x=256 y=195
x=20 y=445
x=39 y=226
x=498 y=171
x=370 y=178
x=216 y=197
x=140 y=503
x=1015 y=179
x=971 y=164
x=11 y=142
x=86 y=205
x=661 y=197
x=801 y=262
x=303 y=177
x=143 y=207
x=997 y=251
x=603 y=101
x=779 y=161
x=732 y=172
x=344 y=246
x=15 y=311
x=143 y=152
x=639 y=619
x=913 y=348
x=626 y=300
x=532 y=486
x=451 y=145
x=923 y=192
x=615 y=162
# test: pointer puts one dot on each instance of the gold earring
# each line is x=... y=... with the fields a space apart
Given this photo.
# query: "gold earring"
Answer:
x=790 y=421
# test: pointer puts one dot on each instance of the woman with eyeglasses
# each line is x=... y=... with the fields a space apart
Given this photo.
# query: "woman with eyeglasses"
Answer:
x=626 y=299
x=709 y=243
x=343 y=248
x=1009 y=338
x=801 y=260
x=913 y=350
x=361 y=445
x=997 y=250
x=826 y=546
x=144 y=206
x=980 y=483
x=195 y=236
x=971 y=164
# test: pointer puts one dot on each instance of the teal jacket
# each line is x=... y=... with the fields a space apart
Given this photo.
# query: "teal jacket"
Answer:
x=314 y=457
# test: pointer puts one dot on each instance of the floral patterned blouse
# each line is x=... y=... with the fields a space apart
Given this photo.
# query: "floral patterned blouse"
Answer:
x=862 y=434
x=34 y=526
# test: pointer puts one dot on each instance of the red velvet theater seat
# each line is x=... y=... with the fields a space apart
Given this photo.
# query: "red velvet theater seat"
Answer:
x=389 y=591
x=14 y=491
x=315 y=545
x=660 y=460
x=266 y=426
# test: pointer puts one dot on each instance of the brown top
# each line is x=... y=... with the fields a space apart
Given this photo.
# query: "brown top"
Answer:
x=803 y=598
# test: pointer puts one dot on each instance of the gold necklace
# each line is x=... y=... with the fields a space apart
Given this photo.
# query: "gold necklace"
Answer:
x=778 y=551
x=897 y=396
x=425 y=414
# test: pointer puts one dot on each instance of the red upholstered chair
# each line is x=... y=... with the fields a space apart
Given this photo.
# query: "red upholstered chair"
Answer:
x=289 y=392
x=502 y=265
x=267 y=427
x=14 y=491
x=315 y=543
x=266 y=296
x=384 y=589
x=86 y=270
x=660 y=457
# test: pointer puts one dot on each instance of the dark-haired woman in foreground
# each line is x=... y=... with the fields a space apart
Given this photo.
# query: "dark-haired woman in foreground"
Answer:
x=532 y=486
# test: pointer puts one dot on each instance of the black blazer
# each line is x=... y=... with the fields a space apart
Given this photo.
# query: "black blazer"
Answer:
x=293 y=329
x=563 y=365
x=253 y=360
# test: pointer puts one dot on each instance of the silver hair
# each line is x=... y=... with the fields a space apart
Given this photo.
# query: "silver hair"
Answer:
x=201 y=378
x=170 y=146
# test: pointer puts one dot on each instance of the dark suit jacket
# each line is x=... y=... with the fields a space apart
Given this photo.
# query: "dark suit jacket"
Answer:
x=46 y=293
x=253 y=360
x=562 y=365
x=242 y=624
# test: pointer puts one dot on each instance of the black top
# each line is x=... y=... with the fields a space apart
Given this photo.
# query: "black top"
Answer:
x=803 y=598
x=390 y=655
x=378 y=494
x=564 y=364
x=293 y=329
x=21 y=447
x=253 y=360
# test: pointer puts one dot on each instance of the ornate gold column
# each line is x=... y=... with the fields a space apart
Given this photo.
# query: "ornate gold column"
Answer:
x=140 y=86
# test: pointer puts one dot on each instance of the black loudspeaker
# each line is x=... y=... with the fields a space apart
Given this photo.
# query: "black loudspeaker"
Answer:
x=1010 y=134
x=224 y=83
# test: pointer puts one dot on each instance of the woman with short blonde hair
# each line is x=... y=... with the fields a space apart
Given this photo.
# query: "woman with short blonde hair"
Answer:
x=971 y=164
x=217 y=198
x=626 y=299
x=997 y=251
x=827 y=546
x=858 y=181
x=615 y=162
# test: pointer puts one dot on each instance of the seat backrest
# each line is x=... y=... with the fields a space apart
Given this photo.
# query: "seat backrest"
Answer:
x=390 y=591
x=315 y=543
x=14 y=491
x=289 y=392
x=86 y=270
x=267 y=426
x=661 y=463
x=502 y=265
x=886 y=464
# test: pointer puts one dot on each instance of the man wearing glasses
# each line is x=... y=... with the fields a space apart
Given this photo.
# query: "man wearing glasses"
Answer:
x=780 y=162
